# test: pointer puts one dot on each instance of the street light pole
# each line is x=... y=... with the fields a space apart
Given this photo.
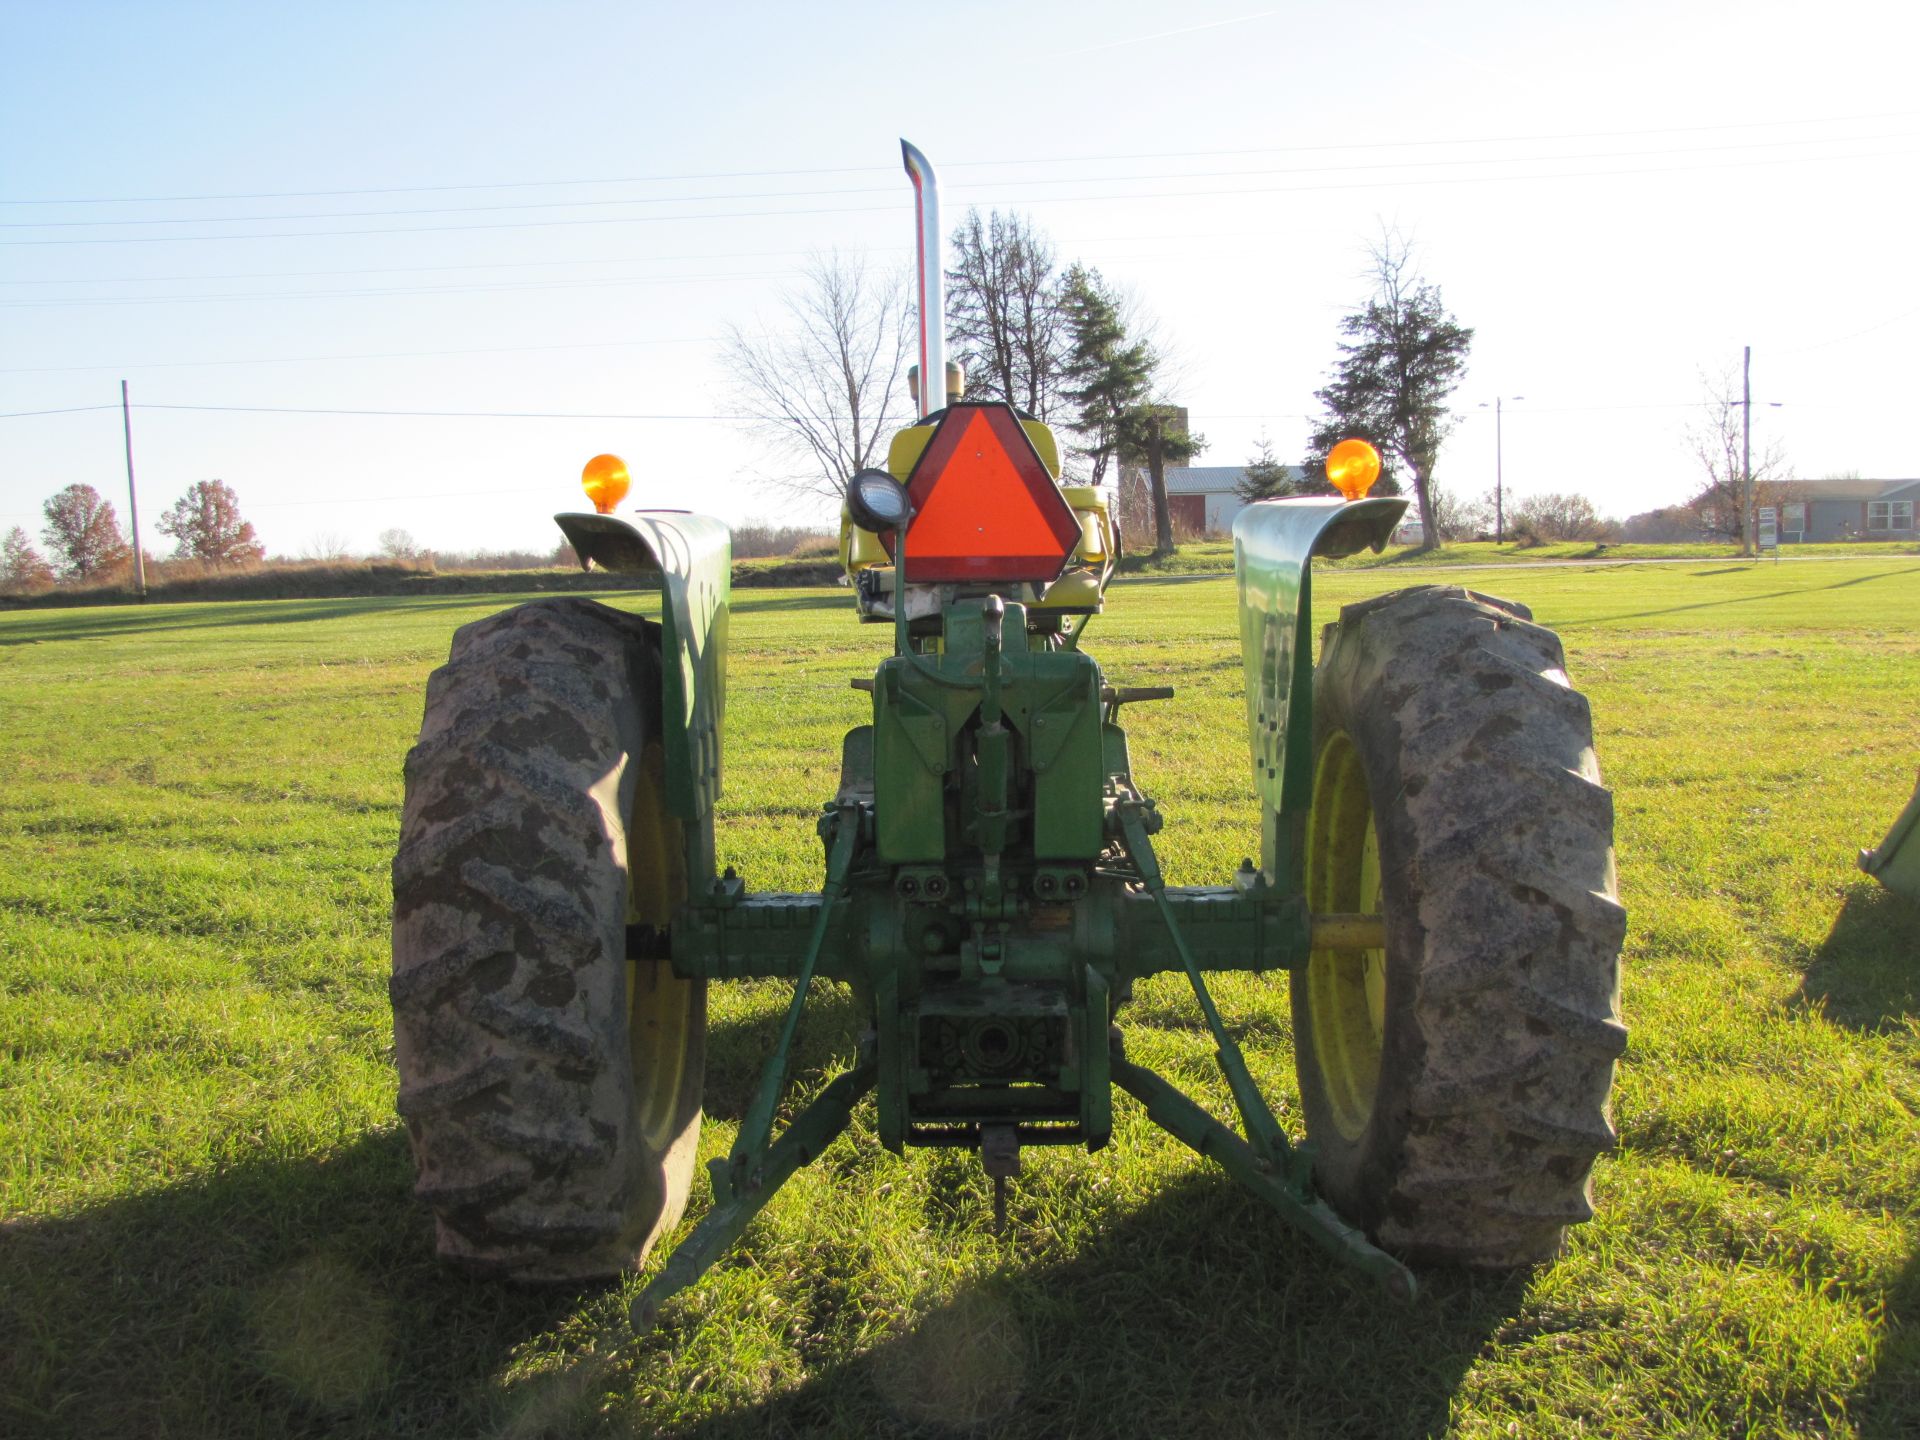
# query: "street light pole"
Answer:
x=1749 y=522
x=1499 y=476
x=1749 y=517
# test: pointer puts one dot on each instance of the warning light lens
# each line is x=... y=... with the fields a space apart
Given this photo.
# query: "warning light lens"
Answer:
x=605 y=480
x=1353 y=466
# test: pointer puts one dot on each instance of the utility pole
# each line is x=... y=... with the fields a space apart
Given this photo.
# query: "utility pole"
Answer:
x=1499 y=477
x=133 y=504
x=1747 y=517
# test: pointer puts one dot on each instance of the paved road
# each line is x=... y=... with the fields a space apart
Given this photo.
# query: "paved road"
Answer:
x=1602 y=562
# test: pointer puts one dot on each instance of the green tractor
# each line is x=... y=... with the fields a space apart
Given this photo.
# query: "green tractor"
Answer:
x=1435 y=876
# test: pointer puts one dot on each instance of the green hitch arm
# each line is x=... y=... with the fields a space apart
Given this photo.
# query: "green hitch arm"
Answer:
x=1188 y=1123
x=1263 y=1130
x=741 y=1170
x=811 y=1132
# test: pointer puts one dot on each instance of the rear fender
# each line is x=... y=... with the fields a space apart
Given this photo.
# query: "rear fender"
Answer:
x=1273 y=543
x=691 y=556
x=1895 y=862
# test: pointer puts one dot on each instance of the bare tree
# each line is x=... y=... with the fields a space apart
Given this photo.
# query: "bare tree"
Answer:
x=398 y=544
x=1665 y=525
x=825 y=391
x=326 y=545
x=1460 y=518
x=1004 y=316
x=1718 y=441
x=1557 y=515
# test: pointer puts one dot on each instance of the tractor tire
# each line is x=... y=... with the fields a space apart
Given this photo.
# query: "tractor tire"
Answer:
x=551 y=1087
x=1456 y=1084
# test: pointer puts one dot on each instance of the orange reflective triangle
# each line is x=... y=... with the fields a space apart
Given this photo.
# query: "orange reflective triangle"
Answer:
x=985 y=507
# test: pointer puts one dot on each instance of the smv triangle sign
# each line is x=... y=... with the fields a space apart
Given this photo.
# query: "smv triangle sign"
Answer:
x=984 y=506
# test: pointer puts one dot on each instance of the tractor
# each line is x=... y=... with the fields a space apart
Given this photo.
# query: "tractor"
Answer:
x=1435 y=877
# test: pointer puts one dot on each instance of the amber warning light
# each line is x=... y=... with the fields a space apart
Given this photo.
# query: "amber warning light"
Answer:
x=605 y=480
x=1353 y=466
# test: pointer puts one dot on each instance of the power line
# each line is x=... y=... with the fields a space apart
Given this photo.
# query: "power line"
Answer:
x=454 y=209
x=971 y=164
x=430 y=269
x=578 y=415
x=370 y=355
x=427 y=414
x=1238 y=191
x=890 y=189
x=1010 y=183
x=64 y=410
x=366 y=293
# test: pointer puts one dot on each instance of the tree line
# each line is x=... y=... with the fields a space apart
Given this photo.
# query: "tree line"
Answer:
x=824 y=384
x=84 y=539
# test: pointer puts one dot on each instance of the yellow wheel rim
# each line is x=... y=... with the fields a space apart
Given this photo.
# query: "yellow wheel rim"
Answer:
x=1346 y=989
x=659 y=1003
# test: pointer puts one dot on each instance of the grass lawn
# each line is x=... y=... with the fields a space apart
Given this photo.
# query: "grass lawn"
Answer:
x=205 y=1220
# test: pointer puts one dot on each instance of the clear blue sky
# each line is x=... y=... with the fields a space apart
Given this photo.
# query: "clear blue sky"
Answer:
x=1616 y=196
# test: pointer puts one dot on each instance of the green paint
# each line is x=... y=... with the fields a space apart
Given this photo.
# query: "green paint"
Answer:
x=1273 y=546
x=692 y=555
x=991 y=849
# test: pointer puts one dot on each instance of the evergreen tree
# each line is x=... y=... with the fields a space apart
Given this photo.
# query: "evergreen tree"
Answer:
x=1108 y=377
x=1402 y=356
x=1265 y=478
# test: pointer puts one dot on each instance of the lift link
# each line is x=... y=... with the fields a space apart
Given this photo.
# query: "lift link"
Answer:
x=1265 y=1162
x=812 y=1131
x=1192 y=1126
x=1263 y=1130
x=743 y=1170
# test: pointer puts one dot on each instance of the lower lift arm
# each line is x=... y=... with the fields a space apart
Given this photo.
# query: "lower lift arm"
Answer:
x=1264 y=1161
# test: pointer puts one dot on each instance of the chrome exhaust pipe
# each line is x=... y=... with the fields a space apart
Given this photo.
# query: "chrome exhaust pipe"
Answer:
x=932 y=286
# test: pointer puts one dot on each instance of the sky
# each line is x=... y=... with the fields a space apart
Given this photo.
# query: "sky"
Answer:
x=266 y=217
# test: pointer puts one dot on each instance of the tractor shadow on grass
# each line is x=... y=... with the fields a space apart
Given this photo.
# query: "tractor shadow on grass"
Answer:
x=1740 y=599
x=54 y=624
x=1887 y=1406
x=737 y=1046
x=1866 y=973
x=1196 y=1313
x=744 y=602
x=278 y=1297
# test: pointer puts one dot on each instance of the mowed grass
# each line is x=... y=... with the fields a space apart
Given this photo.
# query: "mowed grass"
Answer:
x=205 y=1219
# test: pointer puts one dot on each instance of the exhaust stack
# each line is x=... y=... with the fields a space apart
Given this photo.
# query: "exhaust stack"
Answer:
x=932 y=276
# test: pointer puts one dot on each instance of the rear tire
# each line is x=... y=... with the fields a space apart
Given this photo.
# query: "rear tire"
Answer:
x=1456 y=1085
x=551 y=1087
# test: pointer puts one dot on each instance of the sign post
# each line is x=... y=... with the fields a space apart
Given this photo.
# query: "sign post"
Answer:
x=1769 y=530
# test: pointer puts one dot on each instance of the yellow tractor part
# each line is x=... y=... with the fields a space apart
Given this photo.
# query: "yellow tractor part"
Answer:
x=661 y=1007
x=1348 y=987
